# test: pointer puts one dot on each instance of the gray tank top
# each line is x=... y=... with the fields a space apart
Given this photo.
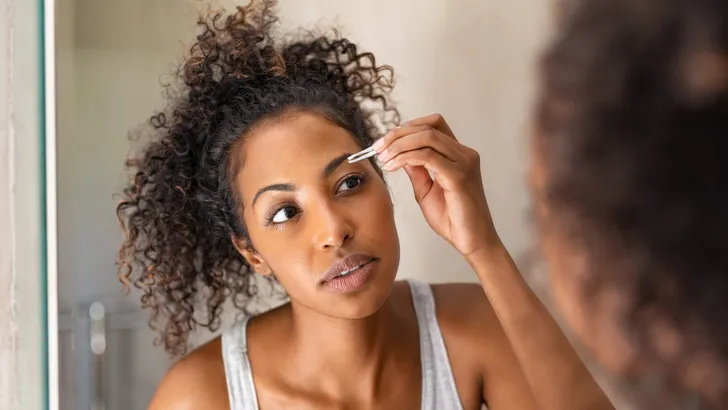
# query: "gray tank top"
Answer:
x=438 y=385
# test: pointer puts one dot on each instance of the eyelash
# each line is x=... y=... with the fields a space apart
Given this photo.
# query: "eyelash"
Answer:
x=271 y=215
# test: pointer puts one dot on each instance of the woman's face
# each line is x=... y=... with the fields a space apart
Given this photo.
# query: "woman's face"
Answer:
x=594 y=318
x=324 y=227
x=597 y=318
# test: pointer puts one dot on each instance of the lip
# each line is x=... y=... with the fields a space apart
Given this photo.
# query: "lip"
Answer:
x=361 y=267
x=342 y=265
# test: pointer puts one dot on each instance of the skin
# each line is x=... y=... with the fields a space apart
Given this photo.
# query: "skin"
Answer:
x=503 y=346
x=596 y=319
x=593 y=320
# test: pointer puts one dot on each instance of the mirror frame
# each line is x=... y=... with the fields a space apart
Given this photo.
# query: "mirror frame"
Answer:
x=28 y=112
x=48 y=92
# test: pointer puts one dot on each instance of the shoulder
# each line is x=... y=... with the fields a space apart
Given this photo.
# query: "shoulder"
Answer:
x=197 y=381
x=478 y=347
x=468 y=323
x=463 y=309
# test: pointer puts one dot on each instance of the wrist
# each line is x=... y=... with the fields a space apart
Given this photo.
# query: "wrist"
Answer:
x=487 y=254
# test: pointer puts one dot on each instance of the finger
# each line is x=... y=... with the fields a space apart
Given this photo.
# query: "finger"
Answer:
x=435 y=121
x=446 y=173
x=394 y=134
x=421 y=181
x=428 y=137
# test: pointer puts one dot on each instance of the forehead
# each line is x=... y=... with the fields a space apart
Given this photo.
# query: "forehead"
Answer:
x=295 y=148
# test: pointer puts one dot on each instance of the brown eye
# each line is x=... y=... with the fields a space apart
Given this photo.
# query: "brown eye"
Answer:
x=284 y=214
x=350 y=183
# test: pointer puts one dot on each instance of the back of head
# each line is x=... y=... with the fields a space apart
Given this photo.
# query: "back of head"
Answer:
x=180 y=212
x=633 y=135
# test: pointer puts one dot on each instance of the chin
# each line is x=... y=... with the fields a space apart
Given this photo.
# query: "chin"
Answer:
x=360 y=309
x=367 y=300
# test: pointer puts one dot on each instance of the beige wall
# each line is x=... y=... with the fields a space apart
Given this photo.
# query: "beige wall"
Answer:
x=8 y=338
x=21 y=370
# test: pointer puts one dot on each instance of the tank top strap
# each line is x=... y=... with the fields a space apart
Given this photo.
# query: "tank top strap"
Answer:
x=239 y=375
x=439 y=391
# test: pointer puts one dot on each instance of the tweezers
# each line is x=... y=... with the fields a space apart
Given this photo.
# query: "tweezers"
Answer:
x=361 y=155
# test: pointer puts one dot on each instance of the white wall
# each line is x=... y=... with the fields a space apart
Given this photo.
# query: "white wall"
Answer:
x=21 y=247
x=8 y=274
x=469 y=60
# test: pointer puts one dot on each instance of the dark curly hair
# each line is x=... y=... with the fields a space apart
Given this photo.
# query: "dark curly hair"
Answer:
x=180 y=211
x=633 y=136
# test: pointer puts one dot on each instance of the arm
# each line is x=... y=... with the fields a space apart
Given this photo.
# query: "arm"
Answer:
x=448 y=187
x=555 y=373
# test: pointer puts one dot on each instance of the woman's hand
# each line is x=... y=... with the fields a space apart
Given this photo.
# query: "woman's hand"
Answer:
x=452 y=200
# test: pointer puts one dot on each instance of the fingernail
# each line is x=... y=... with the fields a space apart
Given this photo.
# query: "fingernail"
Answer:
x=388 y=166
x=384 y=156
x=378 y=144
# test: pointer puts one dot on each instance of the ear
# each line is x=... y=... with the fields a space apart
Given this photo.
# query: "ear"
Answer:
x=254 y=259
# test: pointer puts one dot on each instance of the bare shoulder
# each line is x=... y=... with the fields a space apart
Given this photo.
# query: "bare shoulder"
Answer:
x=468 y=324
x=197 y=381
x=478 y=347
x=463 y=311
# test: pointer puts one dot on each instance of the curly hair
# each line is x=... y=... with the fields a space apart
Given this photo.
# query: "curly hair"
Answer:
x=180 y=210
x=633 y=136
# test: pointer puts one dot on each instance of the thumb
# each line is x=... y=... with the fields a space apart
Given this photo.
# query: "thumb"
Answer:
x=420 y=179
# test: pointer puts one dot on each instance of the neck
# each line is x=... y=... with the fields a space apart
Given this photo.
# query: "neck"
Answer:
x=343 y=342
x=353 y=352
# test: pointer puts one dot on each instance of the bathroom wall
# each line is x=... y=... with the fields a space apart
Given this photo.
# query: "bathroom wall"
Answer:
x=21 y=207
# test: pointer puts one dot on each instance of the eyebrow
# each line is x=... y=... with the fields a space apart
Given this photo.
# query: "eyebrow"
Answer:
x=325 y=173
x=274 y=187
x=333 y=164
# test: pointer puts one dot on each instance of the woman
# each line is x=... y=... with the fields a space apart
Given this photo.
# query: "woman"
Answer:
x=629 y=176
x=249 y=175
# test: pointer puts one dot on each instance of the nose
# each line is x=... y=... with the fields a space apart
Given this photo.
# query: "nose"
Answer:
x=332 y=228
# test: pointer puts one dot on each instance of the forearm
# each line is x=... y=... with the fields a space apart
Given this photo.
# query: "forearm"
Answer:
x=555 y=373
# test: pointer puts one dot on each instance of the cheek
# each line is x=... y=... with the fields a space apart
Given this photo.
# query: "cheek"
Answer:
x=566 y=297
x=291 y=263
x=282 y=251
x=375 y=217
x=595 y=323
x=594 y=319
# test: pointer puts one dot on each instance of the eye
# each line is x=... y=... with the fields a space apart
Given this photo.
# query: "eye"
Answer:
x=351 y=182
x=284 y=214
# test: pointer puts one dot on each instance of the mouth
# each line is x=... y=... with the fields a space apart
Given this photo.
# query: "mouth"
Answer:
x=347 y=266
x=348 y=274
x=350 y=271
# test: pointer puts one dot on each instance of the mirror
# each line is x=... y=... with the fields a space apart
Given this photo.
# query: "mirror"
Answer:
x=112 y=56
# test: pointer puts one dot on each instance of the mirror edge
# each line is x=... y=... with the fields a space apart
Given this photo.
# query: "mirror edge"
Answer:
x=48 y=97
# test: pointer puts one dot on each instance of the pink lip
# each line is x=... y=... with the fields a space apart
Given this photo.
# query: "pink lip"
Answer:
x=363 y=265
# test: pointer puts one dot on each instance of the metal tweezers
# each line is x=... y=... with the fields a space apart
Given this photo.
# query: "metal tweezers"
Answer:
x=361 y=155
